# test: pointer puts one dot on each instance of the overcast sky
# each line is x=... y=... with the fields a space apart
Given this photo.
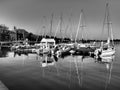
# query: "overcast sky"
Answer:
x=35 y=15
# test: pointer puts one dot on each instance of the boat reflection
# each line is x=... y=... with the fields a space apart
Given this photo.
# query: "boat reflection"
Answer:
x=20 y=53
x=109 y=67
x=48 y=60
x=108 y=62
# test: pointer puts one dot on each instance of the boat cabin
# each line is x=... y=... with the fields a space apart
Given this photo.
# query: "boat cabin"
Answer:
x=48 y=42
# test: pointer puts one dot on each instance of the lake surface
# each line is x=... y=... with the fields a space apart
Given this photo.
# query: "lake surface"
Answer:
x=25 y=72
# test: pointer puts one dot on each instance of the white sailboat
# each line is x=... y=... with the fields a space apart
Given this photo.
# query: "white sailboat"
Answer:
x=107 y=49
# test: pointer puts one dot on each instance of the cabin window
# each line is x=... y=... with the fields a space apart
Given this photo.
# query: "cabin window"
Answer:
x=50 y=42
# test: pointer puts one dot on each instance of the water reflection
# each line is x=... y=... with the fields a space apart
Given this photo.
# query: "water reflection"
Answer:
x=108 y=62
x=79 y=69
x=109 y=67
x=48 y=60
x=105 y=60
x=76 y=70
x=4 y=52
x=20 y=53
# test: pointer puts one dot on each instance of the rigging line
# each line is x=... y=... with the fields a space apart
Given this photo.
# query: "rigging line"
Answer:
x=110 y=27
x=104 y=21
x=61 y=20
x=70 y=22
x=108 y=20
x=110 y=32
x=44 y=26
x=112 y=36
x=51 y=24
x=65 y=35
x=82 y=25
x=57 y=29
x=68 y=27
x=78 y=26
x=38 y=36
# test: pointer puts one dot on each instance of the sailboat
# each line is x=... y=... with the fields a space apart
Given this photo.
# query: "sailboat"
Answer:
x=63 y=48
x=82 y=48
x=46 y=44
x=107 y=49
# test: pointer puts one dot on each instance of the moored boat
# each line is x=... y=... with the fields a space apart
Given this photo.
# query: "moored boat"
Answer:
x=46 y=46
x=108 y=48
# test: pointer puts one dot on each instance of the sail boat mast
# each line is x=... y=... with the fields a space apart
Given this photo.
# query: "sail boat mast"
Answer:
x=78 y=28
x=110 y=33
x=82 y=25
x=108 y=20
x=108 y=24
x=79 y=25
x=51 y=25
x=61 y=19
x=70 y=28
x=57 y=29
x=59 y=26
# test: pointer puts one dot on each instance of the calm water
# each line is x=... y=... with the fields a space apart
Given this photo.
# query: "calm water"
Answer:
x=25 y=72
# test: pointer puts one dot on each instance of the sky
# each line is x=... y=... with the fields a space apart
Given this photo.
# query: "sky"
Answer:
x=35 y=16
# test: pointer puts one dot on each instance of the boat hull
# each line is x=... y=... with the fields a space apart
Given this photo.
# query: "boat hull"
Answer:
x=47 y=64
x=107 y=53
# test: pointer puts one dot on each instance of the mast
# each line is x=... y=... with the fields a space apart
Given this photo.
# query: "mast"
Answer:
x=78 y=28
x=79 y=25
x=108 y=22
x=61 y=19
x=82 y=25
x=51 y=25
x=110 y=26
x=65 y=35
x=70 y=28
x=57 y=29
x=44 y=27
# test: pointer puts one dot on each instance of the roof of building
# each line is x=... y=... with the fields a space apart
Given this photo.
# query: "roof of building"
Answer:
x=47 y=40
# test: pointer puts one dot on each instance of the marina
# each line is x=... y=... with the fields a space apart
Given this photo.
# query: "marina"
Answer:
x=66 y=51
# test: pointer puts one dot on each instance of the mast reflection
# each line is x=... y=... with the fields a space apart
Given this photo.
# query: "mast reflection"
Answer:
x=108 y=62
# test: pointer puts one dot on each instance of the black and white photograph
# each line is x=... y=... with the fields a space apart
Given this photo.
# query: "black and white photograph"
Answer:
x=59 y=45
